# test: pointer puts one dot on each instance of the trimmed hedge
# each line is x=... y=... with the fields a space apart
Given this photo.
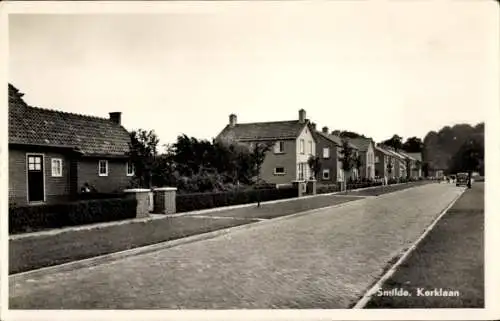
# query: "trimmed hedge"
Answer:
x=29 y=218
x=351 y=186
x=98 y=196
x=325 y=189
x=198 y=201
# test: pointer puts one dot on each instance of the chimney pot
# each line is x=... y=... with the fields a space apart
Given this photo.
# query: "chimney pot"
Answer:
x=325 y=130
x=313 y=125
x=116 y=117
x=232 y=120
x=302 y=116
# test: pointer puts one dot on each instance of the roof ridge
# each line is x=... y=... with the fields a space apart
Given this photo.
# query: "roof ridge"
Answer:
x=269 y=122
x=68 y=113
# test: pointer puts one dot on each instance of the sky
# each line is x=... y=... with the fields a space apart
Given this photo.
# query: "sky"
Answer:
x=376 y=68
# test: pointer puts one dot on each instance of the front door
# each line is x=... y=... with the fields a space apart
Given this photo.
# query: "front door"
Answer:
x=35 y=178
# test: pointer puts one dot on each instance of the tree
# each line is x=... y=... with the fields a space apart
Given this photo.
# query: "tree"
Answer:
x=395 y=142
x=390 y=166
x=314 y=163
x=347 y=158
x=258 y=153
x=143 y=151
x=425 y=169
x=358 y=163
x=468 y=158
x=413 y=145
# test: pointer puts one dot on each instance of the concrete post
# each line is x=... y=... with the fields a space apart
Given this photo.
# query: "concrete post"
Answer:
x=311 y=186
x=299 y=185
x=142 y=197
x=164 y=200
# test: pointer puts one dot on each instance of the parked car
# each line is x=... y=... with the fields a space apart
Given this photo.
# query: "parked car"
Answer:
x=462 y=179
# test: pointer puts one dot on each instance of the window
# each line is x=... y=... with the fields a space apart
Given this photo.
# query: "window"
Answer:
x=130 y=169
x=310 y=147
x=56 y=167
x=326 y=174
x=103 y=168
x=301 y=171
x=326 y=152
x=34 y=163
x=302 y=146
x=279 y=147
x=279 y=171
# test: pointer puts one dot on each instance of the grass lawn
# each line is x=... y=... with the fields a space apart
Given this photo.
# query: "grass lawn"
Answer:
x=37 y=252
x=451 y=257
x=387 y=189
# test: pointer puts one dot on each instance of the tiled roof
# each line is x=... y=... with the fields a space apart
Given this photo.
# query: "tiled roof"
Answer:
x=335 y=139
x=406 y=155
x=361 y=142
x=380 y=149
x=263 y=131
x=417 y=156
x=44 y=127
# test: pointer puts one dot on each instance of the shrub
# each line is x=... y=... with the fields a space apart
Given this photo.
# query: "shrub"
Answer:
x=98 y=196
x=198 y=201
x=28 y=218
x=325 y=189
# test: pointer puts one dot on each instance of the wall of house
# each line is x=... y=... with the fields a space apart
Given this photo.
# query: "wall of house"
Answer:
x=285 y=159
x=116 y=181
x=370 y=162
x=306 y=135
x=381 y=165
x=330 y=163
x=56 y=188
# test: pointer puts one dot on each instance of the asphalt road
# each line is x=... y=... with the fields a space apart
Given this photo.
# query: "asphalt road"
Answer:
x=326 y=259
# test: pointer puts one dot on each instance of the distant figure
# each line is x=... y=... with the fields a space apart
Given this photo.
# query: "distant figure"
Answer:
x=86 y=188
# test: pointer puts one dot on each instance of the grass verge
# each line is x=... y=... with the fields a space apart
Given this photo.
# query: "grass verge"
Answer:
x=450 y=258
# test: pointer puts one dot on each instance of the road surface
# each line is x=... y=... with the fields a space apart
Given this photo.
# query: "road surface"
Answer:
x=326 y=259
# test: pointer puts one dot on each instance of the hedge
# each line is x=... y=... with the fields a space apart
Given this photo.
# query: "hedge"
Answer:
x=29 y=218
x=324 y=189
x=198 y=201
x=97 y=196
x=351 y=186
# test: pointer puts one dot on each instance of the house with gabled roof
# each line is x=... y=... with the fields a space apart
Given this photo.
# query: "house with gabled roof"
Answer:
x=293 y=144
x=52 y=154
x=366 y=151
x=384 y=163
x=329 y=151
x=417 y=171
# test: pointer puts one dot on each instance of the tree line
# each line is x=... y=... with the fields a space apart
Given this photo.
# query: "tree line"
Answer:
x=194 y=165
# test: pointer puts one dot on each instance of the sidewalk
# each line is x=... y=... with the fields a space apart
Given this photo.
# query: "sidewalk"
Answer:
x=450 y=258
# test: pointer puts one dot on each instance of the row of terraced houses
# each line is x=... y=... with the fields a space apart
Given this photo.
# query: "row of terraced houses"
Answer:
x=53 y=153
x=295 y=141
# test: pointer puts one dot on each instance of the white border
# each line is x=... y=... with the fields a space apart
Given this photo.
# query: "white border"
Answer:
x=492 y=219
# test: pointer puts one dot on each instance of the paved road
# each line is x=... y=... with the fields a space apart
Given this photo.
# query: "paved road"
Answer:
x=326 y=259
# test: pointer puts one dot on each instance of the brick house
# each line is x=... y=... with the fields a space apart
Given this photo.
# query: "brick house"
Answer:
x=293 y=144
x=367 y=152
x=417 y=171
x=383 y=161
x=52 y=154
x=329 y=150
x=399 y=163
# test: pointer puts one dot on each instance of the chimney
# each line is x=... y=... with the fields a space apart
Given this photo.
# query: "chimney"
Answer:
x=302 y=116
x=313 y=125
x=325 y=130
x=232 y=120
x=116 y=117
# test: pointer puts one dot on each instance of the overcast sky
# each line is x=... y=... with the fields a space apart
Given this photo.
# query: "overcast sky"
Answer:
x=377 y=68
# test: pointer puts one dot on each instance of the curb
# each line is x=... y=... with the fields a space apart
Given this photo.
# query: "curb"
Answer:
x=360 y=304
x=107 y=258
